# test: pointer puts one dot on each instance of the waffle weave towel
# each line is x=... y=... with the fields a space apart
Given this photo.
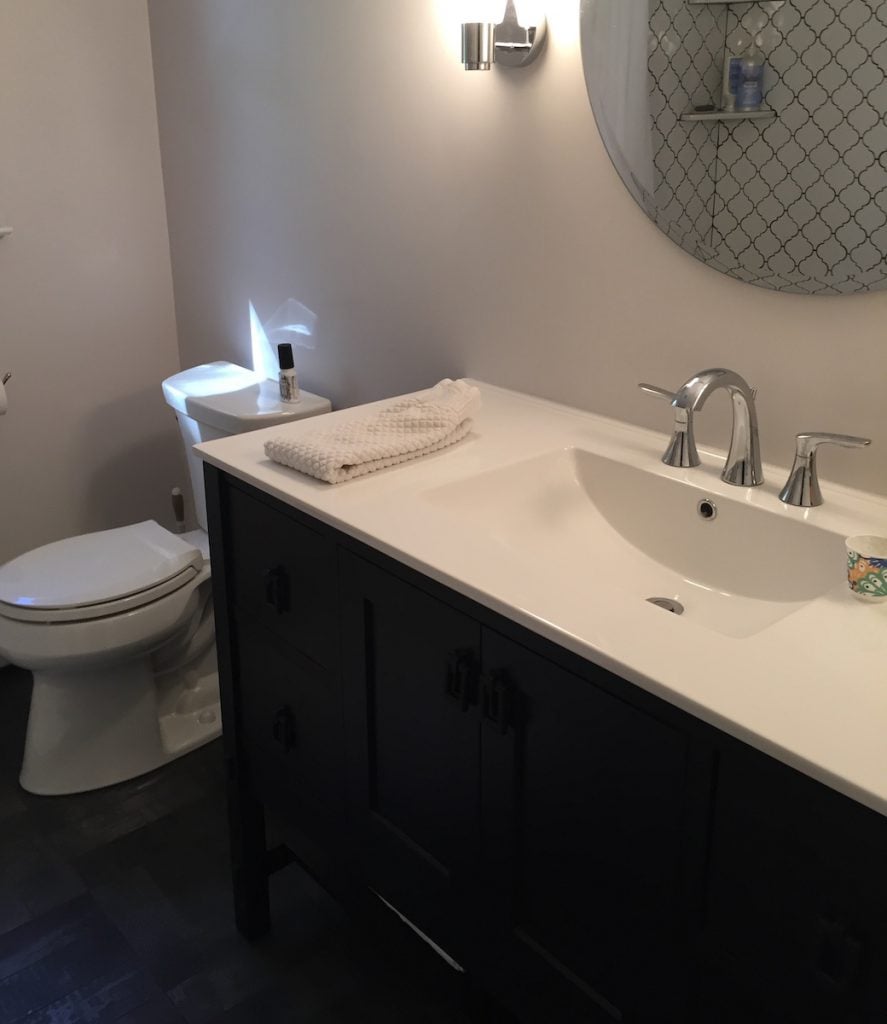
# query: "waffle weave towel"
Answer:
x=407 y=428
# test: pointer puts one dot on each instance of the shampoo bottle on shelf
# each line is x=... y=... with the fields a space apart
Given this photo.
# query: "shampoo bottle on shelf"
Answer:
x=751 y=80
x=737 y=45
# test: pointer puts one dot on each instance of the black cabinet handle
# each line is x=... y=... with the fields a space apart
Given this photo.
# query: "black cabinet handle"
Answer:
x=277 y=589
x=283 y=728
x=461 y=679
x=499 y=702
x=839 y=957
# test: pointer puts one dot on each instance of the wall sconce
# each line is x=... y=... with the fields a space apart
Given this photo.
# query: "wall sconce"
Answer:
x=507 y=42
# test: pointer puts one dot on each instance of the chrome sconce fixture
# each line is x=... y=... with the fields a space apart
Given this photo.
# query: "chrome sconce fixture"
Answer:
x=508 y=42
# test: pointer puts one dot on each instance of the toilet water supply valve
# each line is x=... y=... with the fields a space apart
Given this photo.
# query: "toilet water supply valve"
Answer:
x=178 y=509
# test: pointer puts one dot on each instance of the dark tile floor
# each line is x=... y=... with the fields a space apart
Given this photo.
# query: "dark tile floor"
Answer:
x=115 y=906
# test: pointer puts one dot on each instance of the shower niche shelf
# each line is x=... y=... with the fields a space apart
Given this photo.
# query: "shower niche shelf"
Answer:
x=728 y=115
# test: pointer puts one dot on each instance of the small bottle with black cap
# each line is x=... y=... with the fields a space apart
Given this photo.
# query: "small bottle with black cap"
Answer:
x=289 y=382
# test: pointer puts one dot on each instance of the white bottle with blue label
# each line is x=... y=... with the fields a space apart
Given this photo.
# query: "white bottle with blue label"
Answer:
x=750 y=91
x=738 y=43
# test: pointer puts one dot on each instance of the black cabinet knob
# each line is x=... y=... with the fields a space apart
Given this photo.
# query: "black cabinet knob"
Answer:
x=277 y=589
x=839 y=956
x=498 y=702
x=461 y=679
x=283 y=728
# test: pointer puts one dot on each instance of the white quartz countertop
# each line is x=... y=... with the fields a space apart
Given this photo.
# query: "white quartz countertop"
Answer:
x=809 y=688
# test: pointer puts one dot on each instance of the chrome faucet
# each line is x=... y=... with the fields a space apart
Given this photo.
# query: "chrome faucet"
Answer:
x=743 y=465
x=802 y=487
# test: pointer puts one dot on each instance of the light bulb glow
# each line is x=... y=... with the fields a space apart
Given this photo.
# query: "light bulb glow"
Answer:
x=264 y=361
x=211 y=379
x=529 y=12
x=474 y=10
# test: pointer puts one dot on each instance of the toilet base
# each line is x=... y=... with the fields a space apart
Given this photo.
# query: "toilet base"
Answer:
x=192 y=715
x=87 y=730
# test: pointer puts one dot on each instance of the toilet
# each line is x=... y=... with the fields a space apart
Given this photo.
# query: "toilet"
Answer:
x=117 y=626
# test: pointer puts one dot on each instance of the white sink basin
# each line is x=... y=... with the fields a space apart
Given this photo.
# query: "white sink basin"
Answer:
x=575 y=512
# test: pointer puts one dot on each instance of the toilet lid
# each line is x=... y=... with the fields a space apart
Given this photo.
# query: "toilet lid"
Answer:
x=97 y=568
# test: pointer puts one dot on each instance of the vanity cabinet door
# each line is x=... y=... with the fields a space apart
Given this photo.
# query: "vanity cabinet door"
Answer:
x=798 y=896
x=593 y=846
x=412 y=735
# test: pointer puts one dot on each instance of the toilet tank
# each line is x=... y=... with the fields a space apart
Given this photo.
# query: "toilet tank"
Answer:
x=220 y=399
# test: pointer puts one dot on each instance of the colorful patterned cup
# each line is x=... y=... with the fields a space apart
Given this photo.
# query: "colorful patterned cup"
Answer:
x=867 y=567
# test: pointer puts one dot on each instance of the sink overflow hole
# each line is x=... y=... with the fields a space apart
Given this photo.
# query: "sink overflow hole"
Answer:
x=675 y=607
x=707 y=509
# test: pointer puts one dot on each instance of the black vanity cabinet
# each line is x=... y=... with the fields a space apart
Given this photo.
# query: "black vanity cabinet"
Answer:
x=586 y=851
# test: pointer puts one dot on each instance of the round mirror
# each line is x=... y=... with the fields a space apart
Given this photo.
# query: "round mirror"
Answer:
x=753 y=134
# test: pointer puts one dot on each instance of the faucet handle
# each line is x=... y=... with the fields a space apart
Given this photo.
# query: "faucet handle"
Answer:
x=802 y=487
x=657 y=392
x=806 y=444
x=681 y=451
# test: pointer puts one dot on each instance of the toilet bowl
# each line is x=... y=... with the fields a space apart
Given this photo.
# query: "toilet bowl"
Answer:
x=117 y=626
x=88 y=616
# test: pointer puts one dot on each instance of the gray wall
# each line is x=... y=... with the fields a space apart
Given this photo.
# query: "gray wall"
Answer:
x=445 y=223
x=86 y=307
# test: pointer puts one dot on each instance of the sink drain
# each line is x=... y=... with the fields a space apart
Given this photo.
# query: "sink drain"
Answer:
x=707 y=509
x=675 y=607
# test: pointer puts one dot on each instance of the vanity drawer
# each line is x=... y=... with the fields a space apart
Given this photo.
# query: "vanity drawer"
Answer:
x=291 y=732
x=282 y=575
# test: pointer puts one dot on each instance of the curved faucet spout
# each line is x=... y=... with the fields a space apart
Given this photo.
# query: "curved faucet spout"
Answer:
x=695 y=392
x=743 y=466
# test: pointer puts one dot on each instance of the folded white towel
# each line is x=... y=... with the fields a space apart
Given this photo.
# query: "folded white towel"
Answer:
x=411 y=426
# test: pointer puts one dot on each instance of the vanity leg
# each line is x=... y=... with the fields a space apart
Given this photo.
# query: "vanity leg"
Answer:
x=249 y=871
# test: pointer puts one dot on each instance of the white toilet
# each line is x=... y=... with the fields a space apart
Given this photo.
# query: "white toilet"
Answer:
x=117 y=626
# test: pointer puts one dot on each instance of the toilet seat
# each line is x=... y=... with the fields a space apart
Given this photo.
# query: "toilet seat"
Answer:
x=99 y=609
x=97 y=575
